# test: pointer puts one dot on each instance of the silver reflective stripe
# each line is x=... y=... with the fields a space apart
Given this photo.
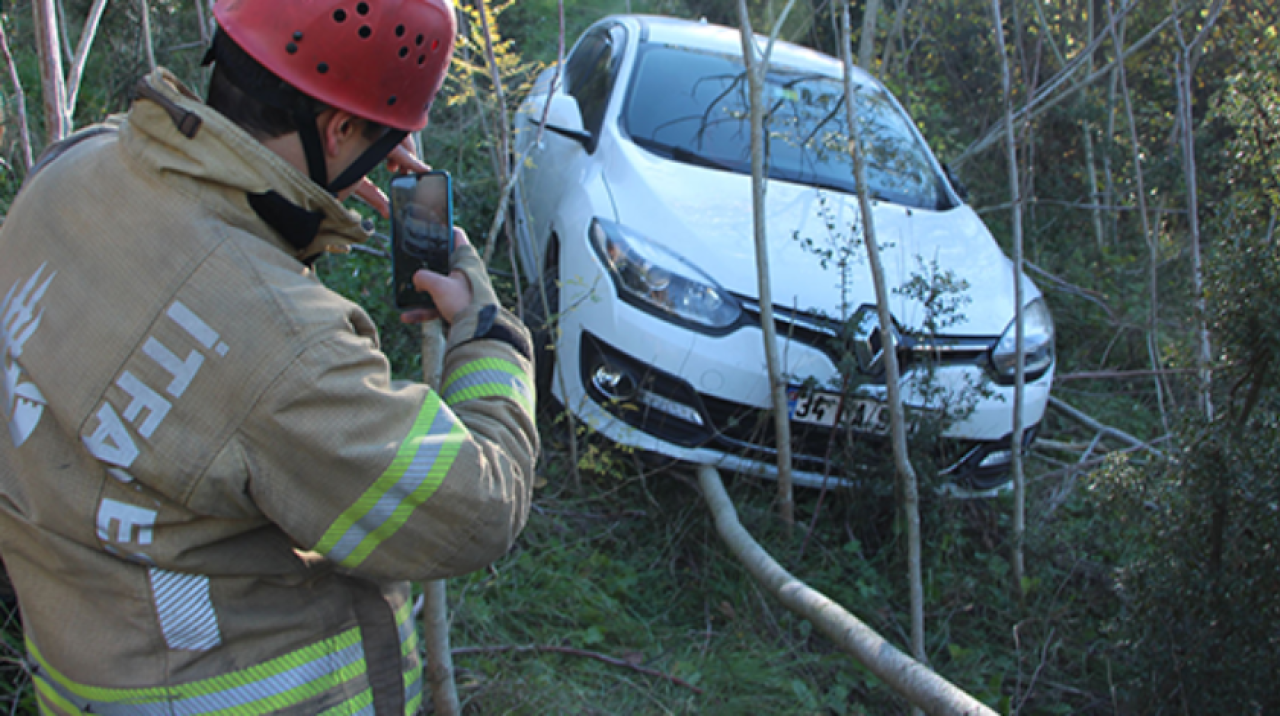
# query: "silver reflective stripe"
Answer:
x=414 y=690
x=404 y=625
x=104 y=708
x=185 y=610
x=438 y=437
x=248 y=697
x=320 y=670
x=480 y=384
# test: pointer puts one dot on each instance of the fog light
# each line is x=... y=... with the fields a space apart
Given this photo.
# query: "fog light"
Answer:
x=995 y=458
x=671 y=407
x=614 y=382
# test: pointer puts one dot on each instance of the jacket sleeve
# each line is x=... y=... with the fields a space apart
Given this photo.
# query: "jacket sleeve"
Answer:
x=393 y=480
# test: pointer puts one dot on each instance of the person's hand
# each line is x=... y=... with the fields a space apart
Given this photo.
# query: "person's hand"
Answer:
x=402 y=160
x=451 y=293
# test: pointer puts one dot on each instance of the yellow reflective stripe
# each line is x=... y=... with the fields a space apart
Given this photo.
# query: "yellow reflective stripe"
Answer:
x=279 y=683
x=409 y=649
x=420 y=464
x=412 y=674
x=294 y=696
x=489 y=377
x=353 y=705
x=52 y=702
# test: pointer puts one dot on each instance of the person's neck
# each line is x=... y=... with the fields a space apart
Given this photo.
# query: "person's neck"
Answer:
x=289 y=148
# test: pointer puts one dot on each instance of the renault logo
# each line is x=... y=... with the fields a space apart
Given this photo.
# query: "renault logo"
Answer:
x=867 y=341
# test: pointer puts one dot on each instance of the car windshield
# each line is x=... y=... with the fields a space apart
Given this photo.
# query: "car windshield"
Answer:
x=692 y=107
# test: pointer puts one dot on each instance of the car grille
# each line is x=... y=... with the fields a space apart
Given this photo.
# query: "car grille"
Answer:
x=840 y=342
x=704 y=421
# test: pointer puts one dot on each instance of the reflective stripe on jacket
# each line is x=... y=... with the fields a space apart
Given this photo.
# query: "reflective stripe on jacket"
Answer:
x=212 y=493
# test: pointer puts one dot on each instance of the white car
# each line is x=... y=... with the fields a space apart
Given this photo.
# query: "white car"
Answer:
x=633 y=212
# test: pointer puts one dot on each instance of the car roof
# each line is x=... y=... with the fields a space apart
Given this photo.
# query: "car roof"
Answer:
x=727 y=40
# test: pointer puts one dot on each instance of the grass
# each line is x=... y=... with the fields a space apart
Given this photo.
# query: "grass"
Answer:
x=628 y=567
x=632 y=568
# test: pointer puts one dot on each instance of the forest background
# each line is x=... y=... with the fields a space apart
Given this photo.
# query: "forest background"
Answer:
x=1149 y=189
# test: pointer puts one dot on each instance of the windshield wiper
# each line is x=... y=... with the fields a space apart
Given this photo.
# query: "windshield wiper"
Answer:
x=681 y=154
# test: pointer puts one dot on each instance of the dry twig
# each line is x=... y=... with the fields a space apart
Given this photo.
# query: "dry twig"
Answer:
x=571 y=651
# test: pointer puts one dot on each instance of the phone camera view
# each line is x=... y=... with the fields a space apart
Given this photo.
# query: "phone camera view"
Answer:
x=421 y=232
x=426 y=234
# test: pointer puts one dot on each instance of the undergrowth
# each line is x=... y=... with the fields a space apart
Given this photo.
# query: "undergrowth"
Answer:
x=628 y=568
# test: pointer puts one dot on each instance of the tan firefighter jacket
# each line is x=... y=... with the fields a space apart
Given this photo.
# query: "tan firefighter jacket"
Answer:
x=212 y=494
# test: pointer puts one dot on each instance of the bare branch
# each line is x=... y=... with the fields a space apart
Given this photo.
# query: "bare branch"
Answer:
x=204 y=22
x=1067 y=287
x=570 y=651
x=1048 y=97
x=1019 y=376
x=435 y=613
x=81 y=57
x=56 y=122
x=909 y=677
x=1121 y=374
x=893 y=389
x=20 y=99
x=755 y=70
x=504 y=126
x=148 y=45
x=867 y=43
x=1085 y=420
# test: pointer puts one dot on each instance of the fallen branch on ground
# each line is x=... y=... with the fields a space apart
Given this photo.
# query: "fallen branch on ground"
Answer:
x=1095 y=462
x=911 y=679
x=571 y=651
x=1083 y=419
x=1121 y=374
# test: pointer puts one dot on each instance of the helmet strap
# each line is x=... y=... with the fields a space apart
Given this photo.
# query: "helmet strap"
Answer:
x=317 y=168
x=365 y=163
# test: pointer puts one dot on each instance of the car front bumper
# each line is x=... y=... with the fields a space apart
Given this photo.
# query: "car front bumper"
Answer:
x=642 y=382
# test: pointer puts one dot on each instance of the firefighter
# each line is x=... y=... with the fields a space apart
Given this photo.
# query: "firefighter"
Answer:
x=213 y=496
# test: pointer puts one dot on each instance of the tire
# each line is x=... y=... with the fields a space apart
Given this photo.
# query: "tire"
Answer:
x=540 y=316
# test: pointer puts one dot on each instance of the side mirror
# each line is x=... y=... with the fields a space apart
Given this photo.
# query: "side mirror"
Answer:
x=961 y=189
x=564 y=117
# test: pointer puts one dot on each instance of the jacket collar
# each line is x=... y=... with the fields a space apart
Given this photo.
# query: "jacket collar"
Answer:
x=171 y=130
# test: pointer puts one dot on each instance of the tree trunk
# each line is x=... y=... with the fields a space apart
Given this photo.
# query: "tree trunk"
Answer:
x=20 y=100
x=435 y=607
x=87 y=35
x=501 y=161
x=756 y=67
x=912 y=680
x=1153 y=257
x=897 y=420
x=1019 y=381
x=147 y=43
x=867 y=42
x=57 y=118
x=895 y=43
x=1185 y=68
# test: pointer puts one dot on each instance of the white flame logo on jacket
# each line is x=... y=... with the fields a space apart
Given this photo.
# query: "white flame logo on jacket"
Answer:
x=23 y=401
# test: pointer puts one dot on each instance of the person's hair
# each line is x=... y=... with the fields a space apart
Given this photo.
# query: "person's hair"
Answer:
x=257 y=118
x=237 y=83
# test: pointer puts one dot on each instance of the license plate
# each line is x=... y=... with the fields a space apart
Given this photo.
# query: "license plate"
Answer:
x=815 y=407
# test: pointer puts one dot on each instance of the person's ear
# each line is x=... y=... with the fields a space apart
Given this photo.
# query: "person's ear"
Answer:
x=337 y=128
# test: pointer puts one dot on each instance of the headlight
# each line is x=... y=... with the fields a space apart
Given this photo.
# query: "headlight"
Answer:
x=661 y=282
x=1037 y=344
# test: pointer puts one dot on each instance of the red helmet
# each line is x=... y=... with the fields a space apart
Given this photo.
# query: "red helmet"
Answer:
x=382 y=60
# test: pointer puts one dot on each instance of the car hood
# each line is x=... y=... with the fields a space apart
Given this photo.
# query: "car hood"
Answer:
x=705 y=215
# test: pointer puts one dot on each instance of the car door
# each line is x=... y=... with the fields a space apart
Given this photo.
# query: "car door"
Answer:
x=555 y=179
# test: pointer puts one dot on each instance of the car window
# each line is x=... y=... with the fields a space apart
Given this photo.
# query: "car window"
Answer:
x=589 y=75
x=692 y=106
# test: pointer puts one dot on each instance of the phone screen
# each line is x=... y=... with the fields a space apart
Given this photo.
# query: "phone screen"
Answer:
x=421 y=232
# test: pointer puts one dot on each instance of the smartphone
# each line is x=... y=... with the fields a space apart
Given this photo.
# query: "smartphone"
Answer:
x=421 y=232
